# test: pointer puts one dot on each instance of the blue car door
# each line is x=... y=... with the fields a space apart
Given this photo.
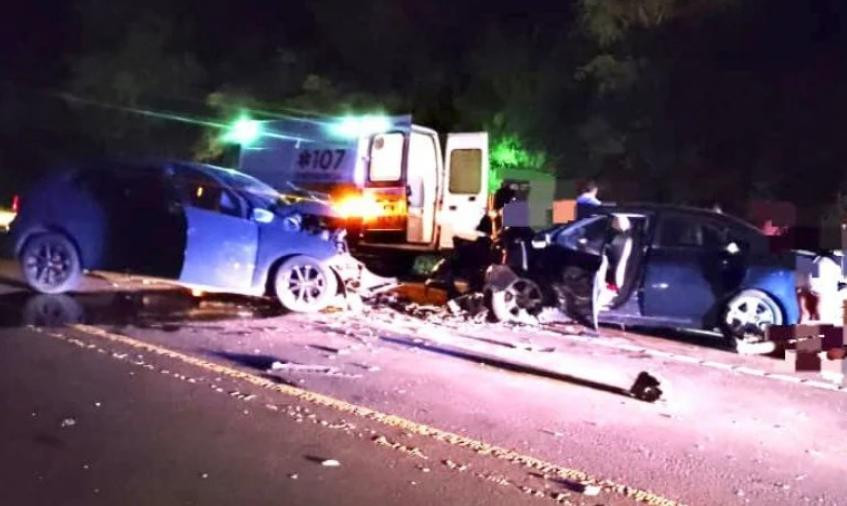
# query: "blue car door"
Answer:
x=221 y=241
x=686 y=270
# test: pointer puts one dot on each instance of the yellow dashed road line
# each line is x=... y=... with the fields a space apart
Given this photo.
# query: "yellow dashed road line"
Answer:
x=317 y=399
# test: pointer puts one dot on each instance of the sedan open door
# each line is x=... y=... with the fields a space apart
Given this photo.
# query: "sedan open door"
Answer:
x=221 y=239
x=575 y=265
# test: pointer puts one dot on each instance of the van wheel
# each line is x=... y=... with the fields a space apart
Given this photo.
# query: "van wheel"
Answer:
x=50 y=263
x=747 y=317
x=304 y=285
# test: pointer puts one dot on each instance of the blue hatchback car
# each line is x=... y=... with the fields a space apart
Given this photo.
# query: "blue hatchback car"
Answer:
x=656 y=266
x=198 y=225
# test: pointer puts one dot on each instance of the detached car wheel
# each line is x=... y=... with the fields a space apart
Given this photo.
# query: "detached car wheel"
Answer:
x=50 y=263
x=304 y=285
x=747 y=317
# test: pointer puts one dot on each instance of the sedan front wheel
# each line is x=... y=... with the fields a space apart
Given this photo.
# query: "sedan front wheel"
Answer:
x=521 y=299
x=304 y=285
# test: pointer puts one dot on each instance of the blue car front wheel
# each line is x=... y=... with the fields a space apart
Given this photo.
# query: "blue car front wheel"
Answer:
x=303 y=284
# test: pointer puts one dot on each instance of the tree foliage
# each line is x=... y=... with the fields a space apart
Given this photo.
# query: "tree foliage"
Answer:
x=743 y=96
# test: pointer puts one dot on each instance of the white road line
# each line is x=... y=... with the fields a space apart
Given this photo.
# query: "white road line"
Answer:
x=749 y=370
x=717 y=365
x=785 y=377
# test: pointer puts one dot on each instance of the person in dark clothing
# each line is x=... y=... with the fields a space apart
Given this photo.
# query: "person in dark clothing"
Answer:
x=492 y=223
x=587 y=200
x=470 y=258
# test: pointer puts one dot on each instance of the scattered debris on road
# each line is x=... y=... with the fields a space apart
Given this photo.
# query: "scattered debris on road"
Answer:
x=308 y=368
x=470 y=309
x=330 y=463
x=591 y=490
x=413 y=451
x=454 y=465
x=68 y=422
x=646 y=388
x=471 y=306
x=369 y=368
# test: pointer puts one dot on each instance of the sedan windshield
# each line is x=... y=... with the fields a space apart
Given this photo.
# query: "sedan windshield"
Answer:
x=256 y=192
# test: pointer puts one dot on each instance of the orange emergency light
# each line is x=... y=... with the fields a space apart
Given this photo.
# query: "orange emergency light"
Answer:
x=369 y=206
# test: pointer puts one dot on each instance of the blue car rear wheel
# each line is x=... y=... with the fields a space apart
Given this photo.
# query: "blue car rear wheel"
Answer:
x=50 y=263
x=748 y=315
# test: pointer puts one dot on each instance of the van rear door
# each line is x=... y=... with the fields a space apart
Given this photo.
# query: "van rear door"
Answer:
x=422 y=169
x=464 y=197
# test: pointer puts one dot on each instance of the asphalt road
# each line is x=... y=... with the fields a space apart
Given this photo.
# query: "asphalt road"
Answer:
x=151 y=396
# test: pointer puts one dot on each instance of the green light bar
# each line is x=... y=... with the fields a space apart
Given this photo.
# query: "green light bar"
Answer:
x=244 y=131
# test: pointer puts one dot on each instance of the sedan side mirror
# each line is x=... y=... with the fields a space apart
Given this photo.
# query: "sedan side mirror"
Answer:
x=262 y=215
x=541 y=242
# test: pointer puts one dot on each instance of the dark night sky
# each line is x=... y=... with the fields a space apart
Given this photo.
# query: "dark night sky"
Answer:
x=749 y=94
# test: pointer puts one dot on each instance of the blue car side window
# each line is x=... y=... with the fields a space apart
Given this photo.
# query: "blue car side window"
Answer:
x=228 y=204
x=714 y=237
x=201 y=191
x=675 y=232
x=678 y=232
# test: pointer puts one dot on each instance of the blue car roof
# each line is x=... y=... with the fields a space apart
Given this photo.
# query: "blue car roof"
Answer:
x=653 y=208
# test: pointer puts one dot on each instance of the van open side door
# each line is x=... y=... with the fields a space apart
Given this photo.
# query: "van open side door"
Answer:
x=464 y=199
x=422 y=180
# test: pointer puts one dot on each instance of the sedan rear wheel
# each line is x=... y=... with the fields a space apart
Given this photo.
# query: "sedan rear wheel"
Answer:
x=747 y=317
x=50 y=263
x=303 y=284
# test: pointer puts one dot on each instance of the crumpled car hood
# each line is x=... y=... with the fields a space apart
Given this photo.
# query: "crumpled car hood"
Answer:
x=311 y=207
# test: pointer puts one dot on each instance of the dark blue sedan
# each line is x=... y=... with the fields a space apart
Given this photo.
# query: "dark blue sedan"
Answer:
x=198 y=225
x=655 y=266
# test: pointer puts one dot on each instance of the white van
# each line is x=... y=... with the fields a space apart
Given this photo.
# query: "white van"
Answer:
x=391 y=179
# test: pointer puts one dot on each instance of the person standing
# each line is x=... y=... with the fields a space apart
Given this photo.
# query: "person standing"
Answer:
x=587 y=200
x=471 y=257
